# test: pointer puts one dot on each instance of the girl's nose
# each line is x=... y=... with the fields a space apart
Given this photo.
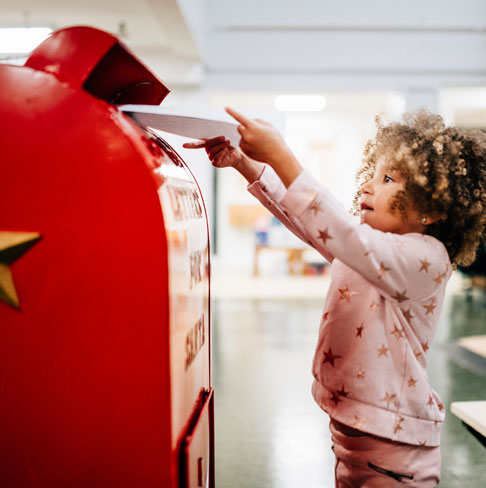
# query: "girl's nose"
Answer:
x=367 y=187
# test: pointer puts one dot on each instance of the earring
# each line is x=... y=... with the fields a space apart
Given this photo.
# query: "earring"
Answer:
x=423 y=220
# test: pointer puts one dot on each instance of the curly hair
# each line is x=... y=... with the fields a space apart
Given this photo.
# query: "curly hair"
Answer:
x=445 y=172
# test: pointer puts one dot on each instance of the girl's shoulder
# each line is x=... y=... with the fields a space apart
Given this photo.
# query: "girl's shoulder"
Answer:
x=430 y=246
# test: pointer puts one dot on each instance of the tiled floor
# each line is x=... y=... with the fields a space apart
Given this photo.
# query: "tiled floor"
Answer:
x=269 y=431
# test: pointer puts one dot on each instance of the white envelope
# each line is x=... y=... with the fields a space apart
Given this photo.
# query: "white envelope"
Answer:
x=166 y=120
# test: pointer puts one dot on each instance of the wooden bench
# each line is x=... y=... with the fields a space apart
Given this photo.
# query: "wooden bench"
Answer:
x=473 y=416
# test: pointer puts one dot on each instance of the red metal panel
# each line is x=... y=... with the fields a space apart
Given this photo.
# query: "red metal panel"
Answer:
x=188 y=251
x=103 y=363
x=84 y=401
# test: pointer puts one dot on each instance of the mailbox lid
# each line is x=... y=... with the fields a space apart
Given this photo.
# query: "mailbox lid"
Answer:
x=97 y=61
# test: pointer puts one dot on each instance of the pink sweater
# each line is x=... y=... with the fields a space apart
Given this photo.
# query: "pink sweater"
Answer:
x=380 y=314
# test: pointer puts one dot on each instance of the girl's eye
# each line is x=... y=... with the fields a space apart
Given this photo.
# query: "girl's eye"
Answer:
x=388 y=179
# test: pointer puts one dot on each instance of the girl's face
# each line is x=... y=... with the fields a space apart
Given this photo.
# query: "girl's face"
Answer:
x=376 y=196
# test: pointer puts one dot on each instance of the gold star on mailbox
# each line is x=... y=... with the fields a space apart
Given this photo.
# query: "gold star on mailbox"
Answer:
x=12 y=246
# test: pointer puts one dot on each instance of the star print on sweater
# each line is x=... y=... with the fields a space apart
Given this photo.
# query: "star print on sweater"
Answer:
x=408 y=314
x=397 y=332
x=324 y=235
x=383 y=270
x=398 y=425
x=383 y=351
x=346 y=294
x=400 y=297
x=412 y=382
x=438 y=279
x=342 y=392
x=335 y=398
x=330 y=357
x=424 y=265
x=430 y=307
x=374 y=305
x=388 y=398
x=316 y=206
x=382 y=309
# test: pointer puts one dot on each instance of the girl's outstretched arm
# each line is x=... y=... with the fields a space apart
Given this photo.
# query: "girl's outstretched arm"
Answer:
x=223 y=155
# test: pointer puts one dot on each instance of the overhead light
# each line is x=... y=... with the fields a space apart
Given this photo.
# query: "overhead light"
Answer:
x=21 y=40
x=299 y=103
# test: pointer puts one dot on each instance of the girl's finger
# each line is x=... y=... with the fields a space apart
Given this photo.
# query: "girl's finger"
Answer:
x=213 y=142
x=242 y=130
x=217 y=148
x=203 y=143
x=263 y=122
x=194 y=145
x=239 y=117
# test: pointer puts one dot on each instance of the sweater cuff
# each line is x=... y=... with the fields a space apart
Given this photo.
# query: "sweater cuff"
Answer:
x=300 y=194
x=268 y=183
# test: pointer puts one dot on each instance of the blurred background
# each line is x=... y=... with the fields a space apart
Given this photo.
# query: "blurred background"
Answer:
x=320 y=71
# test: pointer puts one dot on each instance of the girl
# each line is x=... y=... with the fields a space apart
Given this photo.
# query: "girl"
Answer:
x=421 y=204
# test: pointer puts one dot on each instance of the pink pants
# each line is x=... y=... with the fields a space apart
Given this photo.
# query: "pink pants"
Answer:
x=366 y=461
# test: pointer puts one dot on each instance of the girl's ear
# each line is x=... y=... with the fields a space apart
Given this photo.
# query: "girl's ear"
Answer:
x=430 y=219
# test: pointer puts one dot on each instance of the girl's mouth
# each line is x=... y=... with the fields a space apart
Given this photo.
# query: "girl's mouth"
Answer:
x=364 y=206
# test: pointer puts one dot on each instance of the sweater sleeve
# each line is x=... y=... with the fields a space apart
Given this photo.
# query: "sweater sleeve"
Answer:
x=269 y=189
x=405 y=267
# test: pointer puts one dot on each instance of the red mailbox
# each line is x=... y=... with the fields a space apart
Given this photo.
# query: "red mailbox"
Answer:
x=104 y=280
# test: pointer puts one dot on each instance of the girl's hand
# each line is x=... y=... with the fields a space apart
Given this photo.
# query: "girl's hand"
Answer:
x=219 y=151
x=259 y=139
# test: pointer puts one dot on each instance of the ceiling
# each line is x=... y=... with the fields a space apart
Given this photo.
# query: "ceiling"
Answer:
x=285 y=45
x=155 y=30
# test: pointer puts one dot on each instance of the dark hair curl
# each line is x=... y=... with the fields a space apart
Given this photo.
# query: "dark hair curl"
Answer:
x=445 y=171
